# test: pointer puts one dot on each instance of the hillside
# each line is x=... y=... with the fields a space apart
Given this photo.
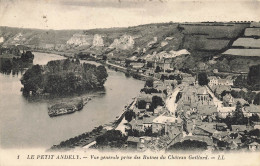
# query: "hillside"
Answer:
x=204 y=42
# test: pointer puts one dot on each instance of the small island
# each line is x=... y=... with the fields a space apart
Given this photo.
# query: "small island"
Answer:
x=67 y=106
x=61 y=77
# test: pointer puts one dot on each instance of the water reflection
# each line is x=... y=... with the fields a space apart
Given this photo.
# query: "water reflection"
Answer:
x=13 y=66
x=26 y=124
x=52 y=98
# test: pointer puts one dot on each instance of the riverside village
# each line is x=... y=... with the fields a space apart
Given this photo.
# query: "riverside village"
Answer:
x=197 y=93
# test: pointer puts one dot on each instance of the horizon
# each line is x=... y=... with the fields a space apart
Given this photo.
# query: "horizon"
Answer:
x=202 y=22
x=100 y=14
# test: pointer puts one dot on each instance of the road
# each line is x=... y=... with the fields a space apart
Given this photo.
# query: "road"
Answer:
x=170 y=101
x=124 y=68
x=89 y=145
x=216 y=101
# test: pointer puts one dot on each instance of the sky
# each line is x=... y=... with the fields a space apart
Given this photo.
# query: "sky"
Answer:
x=90 y=14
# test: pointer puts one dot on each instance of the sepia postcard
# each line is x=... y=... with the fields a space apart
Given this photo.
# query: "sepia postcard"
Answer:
x=130 y=82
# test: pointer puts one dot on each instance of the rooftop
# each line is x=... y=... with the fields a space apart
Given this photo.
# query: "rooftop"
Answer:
x=242 y=101
x=207 y=127
x=167 y=119
x=133 y=139
x=254 y=143
x=252 y=108
x=206 y=139
x=240 y=127
x=207 y=109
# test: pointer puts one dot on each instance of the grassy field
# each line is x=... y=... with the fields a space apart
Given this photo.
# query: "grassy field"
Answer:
x=215 y=31
x=247 y=42
x=243 y=52
x=252 y=32
x=200 y=42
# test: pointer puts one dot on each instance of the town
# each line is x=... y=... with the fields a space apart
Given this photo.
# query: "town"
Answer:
x=180 y=110
x=200 y=93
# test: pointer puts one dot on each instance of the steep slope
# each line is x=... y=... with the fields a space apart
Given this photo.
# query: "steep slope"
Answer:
x=204 y=41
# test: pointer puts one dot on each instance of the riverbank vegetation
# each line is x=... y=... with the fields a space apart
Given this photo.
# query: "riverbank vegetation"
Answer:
x=63 y=77
x=11 y=60
x=111 y=139
x=80 y=140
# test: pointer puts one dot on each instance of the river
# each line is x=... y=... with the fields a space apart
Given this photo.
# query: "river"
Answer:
x=26 y=124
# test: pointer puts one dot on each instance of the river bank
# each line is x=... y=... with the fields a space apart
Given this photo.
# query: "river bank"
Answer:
x=127 y=71
x=35 y=129
x=74 y=105
x=64 y=54
x=87 y=138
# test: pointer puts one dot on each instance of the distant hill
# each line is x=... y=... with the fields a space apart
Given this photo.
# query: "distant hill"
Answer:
x=203 y=40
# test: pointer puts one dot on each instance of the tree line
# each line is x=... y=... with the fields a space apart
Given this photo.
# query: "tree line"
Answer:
x=63 y=77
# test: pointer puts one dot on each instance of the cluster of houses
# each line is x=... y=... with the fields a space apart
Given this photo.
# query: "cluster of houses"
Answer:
x=213 y=80
x=195 y=118
x=197 y=114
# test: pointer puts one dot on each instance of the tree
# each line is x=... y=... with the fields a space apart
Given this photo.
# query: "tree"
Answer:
x=222 y=144
x=112 y=138
x=240 y=81
x=253 y=78
x=27 y=57
x=238 y=116
x=255 y=132
x=77 y=61
x=64 y=77
x=66 y=64
x=104 y=57
x=254 y=118
x=149 y=64
x=156 y=101
x=101 y=74
x=203 y=79
x=165 y=92
x=129 y=115
x=163 y=77
x=228 y=121
x=149 y=83
x=32 y=79
x=148 y=132
x=257 y=99
x=157 y=69
x=141 y=104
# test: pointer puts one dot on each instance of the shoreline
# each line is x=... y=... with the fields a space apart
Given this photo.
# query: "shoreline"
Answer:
x=67 y=107
x=112 y=66
x=86 y=138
